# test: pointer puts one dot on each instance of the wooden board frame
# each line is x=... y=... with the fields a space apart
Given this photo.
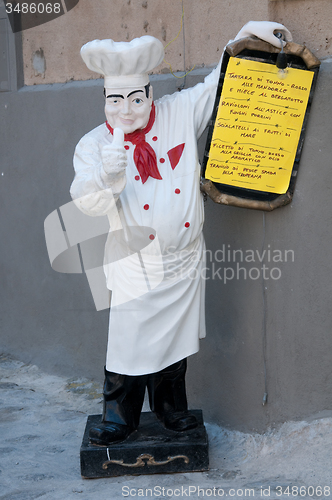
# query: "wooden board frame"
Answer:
x=252 y=48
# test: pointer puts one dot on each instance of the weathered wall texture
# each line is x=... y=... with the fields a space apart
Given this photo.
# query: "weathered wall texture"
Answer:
x=49 y=318
x=208 y=27
x=51 y=51
x=309 y=22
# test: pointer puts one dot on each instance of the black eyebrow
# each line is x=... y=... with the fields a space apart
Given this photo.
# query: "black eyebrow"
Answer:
x=134 y=92
x=115 y=95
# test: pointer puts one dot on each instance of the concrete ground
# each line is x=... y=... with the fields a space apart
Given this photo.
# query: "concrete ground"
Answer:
x=42 y=419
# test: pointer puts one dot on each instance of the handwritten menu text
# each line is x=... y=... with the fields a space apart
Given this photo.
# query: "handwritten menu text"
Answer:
x=258 y=126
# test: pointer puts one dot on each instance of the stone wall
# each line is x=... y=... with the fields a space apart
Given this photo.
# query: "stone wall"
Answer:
x=51 y=51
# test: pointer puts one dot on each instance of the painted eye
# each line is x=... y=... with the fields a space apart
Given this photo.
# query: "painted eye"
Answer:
x=138 y=100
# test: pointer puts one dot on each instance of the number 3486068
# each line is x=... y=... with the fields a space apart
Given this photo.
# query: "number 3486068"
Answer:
x=33 y=8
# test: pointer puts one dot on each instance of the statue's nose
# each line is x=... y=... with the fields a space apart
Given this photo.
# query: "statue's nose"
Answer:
x=126 y=107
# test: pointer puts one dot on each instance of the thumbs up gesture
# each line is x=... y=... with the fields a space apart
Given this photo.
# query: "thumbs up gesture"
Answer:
x=114 y=162
x=114 y=156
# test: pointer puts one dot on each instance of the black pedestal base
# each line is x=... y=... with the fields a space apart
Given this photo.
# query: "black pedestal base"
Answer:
x=151 y=449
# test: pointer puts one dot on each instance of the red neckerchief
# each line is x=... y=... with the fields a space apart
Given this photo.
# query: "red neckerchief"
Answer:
x=144 y=157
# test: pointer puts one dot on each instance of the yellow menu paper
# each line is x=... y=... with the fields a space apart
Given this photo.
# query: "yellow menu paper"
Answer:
x=258 y=126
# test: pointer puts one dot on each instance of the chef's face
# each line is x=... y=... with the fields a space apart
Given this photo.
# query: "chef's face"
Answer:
x=128 y=109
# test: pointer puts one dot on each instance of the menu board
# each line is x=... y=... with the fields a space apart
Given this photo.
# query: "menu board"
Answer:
x=258 y=125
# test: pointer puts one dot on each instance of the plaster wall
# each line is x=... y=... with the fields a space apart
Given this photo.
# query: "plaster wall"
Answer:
x=49 y=318
x=309 y=22
x=51 y=51
x=208 y=27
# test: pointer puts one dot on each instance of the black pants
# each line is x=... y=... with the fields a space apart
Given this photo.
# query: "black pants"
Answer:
x=124 y=394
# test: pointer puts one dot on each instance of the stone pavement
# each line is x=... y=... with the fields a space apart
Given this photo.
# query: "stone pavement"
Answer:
x=42 y=419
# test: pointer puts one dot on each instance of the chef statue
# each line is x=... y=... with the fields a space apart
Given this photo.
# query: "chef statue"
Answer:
x=141 y=169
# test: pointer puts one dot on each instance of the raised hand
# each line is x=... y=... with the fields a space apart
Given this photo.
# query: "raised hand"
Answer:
x=265 y=30
x=114 y=163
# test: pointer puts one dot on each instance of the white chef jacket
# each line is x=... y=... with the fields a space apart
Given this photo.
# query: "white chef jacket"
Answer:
x=157 y=308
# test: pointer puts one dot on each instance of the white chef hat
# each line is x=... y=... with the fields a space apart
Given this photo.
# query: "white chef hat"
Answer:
x=123 y=64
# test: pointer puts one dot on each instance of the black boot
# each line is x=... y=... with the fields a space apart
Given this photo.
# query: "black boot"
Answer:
x=123 y=401
x=168 y=400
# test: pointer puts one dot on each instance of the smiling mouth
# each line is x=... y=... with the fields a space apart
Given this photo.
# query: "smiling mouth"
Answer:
x=126 y=121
